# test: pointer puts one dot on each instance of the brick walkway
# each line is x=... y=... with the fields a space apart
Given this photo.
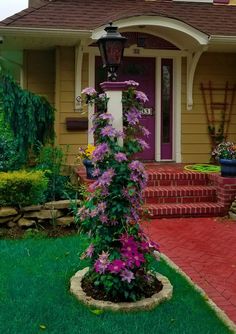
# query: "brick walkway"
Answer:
x=205 y=249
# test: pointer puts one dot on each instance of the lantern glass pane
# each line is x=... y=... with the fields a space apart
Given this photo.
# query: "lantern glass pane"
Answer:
x=114 y=52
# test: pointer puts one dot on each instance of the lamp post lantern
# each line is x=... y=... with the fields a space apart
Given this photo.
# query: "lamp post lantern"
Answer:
x=111 y=47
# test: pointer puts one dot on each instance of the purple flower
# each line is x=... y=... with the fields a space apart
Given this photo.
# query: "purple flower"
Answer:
x=102 y=206
x=133 y=116
x=99 y=152
x=94 y=213
x=116 y=266
x=127 y=275
x=119 y=157
x=106 y=116
x=137 y=166
x=145 y=131
x=103 y=218
x=89 y=251
x=109 y=131
x=141 y=96
x=132 y=83
x=106 y=177
x=143 y=144
x=102 y=96
x=96 y=172
x=102 y=263
x=89 y=91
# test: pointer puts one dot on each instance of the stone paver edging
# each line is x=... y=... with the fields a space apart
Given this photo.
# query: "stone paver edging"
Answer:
x=141 y=305
x=221 y=314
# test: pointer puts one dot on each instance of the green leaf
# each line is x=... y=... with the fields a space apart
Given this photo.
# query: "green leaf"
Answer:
x=97 y=312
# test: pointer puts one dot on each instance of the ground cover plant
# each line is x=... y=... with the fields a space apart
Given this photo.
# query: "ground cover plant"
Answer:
x=119 y=252
x=35 y=298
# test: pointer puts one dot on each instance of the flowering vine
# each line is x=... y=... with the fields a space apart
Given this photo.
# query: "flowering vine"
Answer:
x=119 y=252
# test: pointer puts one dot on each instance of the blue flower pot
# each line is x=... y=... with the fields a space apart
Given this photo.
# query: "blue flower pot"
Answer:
x=228 y=167
x=89 y=169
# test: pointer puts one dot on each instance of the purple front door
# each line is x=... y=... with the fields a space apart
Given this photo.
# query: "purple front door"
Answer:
x=141 y=70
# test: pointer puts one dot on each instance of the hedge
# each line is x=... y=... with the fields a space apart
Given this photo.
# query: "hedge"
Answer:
x=21 y=188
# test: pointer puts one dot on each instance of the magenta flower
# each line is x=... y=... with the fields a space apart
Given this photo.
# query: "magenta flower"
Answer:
x=116 y=266
x=138 y=258
x=141 y=96
x=127 y=275
x=119 y=157
x=89 y=91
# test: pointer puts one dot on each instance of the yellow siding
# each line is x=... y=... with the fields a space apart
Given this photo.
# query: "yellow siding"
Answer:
x=217 y=68
x=69 y=140
x=40 y=73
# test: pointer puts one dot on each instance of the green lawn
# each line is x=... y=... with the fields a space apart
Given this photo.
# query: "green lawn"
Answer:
x=34 y=283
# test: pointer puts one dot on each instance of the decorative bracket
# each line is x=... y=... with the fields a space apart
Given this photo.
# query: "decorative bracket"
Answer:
x=192 y=61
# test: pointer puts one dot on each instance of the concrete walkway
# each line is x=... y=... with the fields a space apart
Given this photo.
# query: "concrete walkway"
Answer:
x=205 y=249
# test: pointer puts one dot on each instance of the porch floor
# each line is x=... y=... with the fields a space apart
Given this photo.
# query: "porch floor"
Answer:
x=205 y=249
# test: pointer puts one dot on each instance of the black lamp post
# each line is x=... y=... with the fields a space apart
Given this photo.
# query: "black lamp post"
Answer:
x=111 y=47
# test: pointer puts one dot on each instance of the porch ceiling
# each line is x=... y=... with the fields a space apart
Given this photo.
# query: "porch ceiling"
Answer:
x=35 y=39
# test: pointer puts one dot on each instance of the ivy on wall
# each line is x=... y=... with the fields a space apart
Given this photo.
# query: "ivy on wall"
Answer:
x=29 y=116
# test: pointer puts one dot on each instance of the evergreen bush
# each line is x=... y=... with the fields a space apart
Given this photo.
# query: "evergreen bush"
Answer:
x=22 y=188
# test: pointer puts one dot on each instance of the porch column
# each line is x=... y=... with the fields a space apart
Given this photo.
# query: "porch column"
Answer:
x=114 y=91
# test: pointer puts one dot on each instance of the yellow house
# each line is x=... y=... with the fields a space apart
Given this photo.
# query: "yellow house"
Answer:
x=183 y=53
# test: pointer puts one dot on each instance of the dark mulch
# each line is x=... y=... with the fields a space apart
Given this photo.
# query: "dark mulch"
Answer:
x=146 y=291
x=47 y=230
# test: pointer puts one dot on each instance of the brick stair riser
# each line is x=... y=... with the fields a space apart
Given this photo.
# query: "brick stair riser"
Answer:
x=179 y=200
x=163 y=183
x=185 y=212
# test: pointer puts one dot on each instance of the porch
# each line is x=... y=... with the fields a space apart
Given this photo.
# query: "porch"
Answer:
x=173 y=191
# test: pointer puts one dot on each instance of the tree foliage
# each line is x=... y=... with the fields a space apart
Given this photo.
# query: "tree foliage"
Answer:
x=29 y=116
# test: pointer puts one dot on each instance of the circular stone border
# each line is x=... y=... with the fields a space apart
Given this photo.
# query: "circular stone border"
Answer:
x=141 y=305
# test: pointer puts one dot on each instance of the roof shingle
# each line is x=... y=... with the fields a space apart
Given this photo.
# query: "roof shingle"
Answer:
x=90 y=14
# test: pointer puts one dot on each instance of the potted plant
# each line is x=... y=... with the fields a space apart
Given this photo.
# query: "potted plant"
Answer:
x=225 y=153
x=85 y=155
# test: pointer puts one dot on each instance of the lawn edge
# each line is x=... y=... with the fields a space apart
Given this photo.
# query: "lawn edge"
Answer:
x=218 y=311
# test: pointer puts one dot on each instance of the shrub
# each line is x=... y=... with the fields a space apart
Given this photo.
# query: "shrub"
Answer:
x=50 y=160
x=21 y=188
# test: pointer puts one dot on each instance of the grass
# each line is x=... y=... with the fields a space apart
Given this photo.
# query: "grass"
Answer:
x=34 y=296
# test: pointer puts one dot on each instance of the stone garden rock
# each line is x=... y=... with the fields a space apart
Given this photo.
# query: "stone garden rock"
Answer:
x=11 y=224
x=32 y=208
x=65 y=221
x=23 y=222
x=232 y=215
x=5 y=219
x=44 y=214
x=63 y=204
x=7 y=211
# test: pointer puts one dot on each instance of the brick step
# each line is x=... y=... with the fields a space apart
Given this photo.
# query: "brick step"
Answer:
x=180 y=194
x=176 y=179
x=184 y=210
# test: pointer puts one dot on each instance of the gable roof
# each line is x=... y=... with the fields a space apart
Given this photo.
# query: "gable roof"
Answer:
x=90 y=14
